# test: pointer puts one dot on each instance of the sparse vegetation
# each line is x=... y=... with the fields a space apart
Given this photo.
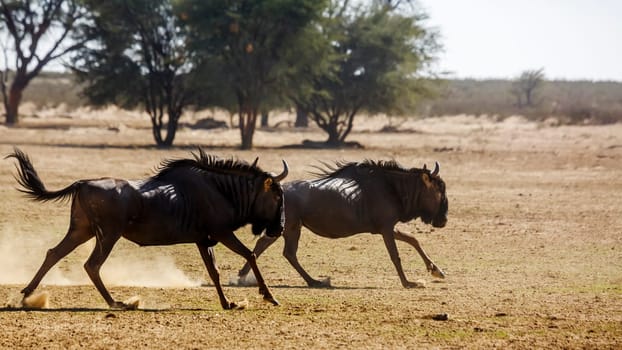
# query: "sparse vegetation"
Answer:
x=51 y=89
x=568 y=102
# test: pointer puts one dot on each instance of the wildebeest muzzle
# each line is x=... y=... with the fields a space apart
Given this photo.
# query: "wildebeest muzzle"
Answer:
x=441 y=218
x=275 y=227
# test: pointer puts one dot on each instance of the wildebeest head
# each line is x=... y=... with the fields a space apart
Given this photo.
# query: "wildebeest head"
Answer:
x=432 y=199
x=269 y=208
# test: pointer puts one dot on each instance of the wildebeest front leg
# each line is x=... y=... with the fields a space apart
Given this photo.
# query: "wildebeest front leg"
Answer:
x=207 y=253
x=262 y=244
x=389 y=242
x=429 y=264
x=292 y=237
x=230 y=241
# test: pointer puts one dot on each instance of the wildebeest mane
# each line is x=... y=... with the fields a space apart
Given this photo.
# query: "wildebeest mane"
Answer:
x=235 y=188
x=399 y=180
x=335 y=170
x=206 y=162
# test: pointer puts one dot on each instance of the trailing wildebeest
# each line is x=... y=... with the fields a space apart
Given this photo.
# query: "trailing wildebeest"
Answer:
x=201 y=200
x=352 y=198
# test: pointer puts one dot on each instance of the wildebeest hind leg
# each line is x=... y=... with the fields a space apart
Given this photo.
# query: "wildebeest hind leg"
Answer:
x=429 y=264
x=207 y=253
x=103 y=246
x=389 y=242
x=75 y=236
x=230 y=241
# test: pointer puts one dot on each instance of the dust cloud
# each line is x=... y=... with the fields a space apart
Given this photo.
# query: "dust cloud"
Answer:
x=22 y=254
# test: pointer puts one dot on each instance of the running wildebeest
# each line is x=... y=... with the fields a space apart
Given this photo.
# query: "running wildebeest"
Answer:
x=201 y=200
x=352 y=198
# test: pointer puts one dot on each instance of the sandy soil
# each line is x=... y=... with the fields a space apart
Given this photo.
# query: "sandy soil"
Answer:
x=532 y=250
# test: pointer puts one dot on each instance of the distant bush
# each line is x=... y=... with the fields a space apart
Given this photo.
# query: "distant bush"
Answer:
x=51 y=89
x=571 y=102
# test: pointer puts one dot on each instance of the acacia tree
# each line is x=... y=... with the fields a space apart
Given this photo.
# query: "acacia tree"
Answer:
x=138 y=58
x=380 y=54
x=250 y=41
x=34 y=34
x=526 y=85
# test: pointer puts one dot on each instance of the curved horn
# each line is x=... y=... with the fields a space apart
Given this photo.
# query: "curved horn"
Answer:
x=255 y=162
x=281 y=176
x=436 y=168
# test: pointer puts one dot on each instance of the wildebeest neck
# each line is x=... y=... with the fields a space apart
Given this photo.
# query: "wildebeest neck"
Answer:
x=406 y=190
x=236 y=182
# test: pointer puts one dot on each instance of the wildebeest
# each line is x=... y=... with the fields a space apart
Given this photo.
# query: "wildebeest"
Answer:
x=351 y=198
x=201 y=200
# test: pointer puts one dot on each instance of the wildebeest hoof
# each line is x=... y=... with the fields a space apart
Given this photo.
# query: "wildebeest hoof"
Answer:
x=119 y=305
x=230 y=305
x=436 y=272
x=418 y=284
x=271 y=300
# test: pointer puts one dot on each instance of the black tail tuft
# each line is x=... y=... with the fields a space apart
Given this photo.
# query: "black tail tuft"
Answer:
x=32 y=185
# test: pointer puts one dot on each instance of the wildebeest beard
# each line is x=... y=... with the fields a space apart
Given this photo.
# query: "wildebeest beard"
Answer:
x=441 y=217
x=273 y=228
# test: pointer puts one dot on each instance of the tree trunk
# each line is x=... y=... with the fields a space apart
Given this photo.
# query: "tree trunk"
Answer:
x=171 y=131
x=264 y=119
x=156 y=131
x=248 y=120
x=528 y=97
x=334 y=139
x=12 y=110
x=302 y=120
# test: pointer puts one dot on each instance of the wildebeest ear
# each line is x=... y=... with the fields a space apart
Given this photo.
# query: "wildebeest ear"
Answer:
x=267 y=184
x=426 y=180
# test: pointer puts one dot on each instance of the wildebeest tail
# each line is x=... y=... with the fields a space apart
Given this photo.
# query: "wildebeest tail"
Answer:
x=32 y=185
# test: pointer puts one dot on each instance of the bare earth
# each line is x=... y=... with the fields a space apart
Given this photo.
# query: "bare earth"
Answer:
x=532 y=249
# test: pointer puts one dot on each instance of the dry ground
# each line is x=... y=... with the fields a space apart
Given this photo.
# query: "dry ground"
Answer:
x=532 y=250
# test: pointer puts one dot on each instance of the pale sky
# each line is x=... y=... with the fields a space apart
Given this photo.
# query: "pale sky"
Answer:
x=570 y=39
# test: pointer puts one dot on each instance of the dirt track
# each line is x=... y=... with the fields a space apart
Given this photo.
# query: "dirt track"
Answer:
x=532 y=250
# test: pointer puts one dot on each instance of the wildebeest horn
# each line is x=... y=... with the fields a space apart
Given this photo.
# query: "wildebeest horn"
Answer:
x=255 y=162
x=436 y=168
x=281 y=176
